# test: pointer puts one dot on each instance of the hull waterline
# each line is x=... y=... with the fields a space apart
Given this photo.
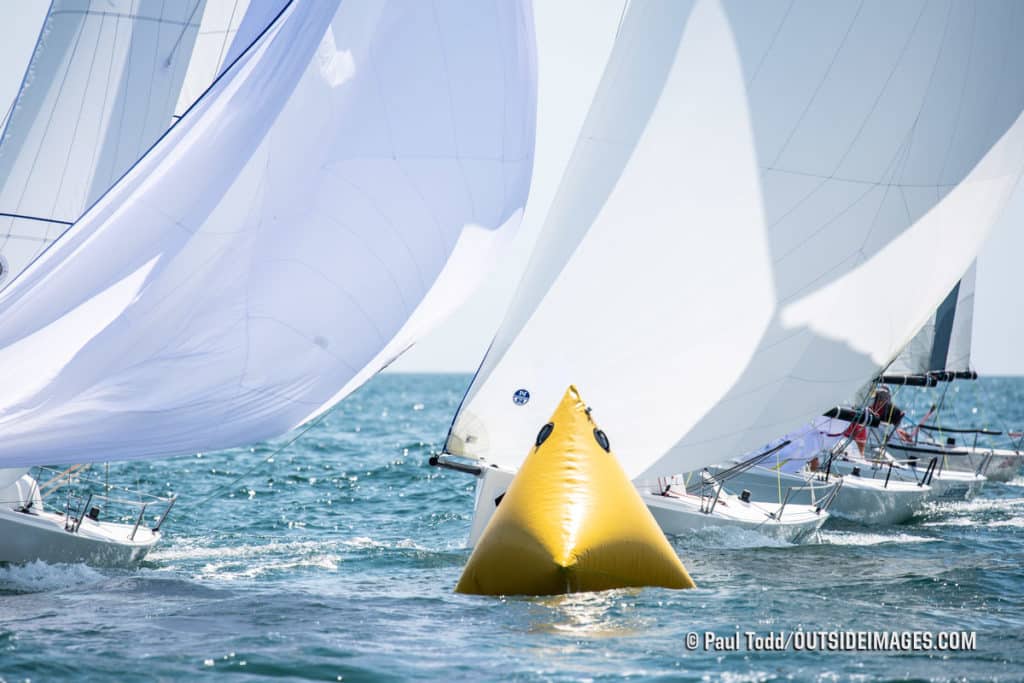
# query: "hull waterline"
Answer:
x=865 y=501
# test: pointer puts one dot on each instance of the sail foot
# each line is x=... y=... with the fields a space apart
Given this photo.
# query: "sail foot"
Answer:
x=571 y=521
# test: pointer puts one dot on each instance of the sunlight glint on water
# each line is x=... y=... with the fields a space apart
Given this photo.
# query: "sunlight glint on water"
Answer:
x=339 y=558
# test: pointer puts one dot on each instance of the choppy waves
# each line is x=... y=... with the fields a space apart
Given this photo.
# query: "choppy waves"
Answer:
x=339 y=558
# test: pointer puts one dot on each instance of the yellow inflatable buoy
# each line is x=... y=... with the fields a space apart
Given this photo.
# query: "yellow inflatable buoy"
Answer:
x=571 y=521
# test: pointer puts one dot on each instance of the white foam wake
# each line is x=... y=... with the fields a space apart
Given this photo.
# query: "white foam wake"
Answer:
x=864 y=538
x=730 y=537
x=38 y=577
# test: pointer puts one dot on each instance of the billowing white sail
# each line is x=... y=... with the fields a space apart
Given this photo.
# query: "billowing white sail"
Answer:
x=944 y=343
x=334 y=193
x=100 y=89
x=766 y=202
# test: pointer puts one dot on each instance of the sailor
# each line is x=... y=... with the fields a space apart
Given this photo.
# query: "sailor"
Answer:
x=859 y=433
x=884 y=408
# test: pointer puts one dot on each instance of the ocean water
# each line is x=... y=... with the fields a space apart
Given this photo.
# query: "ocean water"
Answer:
x=337 y=560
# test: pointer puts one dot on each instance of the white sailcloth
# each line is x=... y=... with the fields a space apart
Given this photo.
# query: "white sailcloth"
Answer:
x=944 y=343
x=766 y=202
x=218 y=28
x=100 y=89
x=333 y=194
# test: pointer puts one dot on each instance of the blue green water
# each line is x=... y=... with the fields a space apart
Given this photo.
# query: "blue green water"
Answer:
x=337 y=562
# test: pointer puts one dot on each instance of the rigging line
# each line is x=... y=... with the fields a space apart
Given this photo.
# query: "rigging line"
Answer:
x=1004 y=425
x=4 y=214
x=227 y=33
x=184 y=27
x=465 y=397
x=744 y=465
x=217 y=491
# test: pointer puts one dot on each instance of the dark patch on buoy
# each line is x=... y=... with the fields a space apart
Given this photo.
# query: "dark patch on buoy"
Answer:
x=544 y=433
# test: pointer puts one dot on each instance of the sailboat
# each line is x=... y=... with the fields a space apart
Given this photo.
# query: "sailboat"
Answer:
x=100 y=86
x=867 y=454
x=940 y=350
x=939 y=354
x=749 y=187
x=349 y=175
x=801 y=470
x=961 y=451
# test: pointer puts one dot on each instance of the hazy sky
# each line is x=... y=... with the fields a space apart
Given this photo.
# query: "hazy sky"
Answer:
x=573 y=41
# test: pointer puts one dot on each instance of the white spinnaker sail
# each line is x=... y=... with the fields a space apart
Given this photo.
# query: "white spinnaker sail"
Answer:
x=99 y=90
x=766 y=202
x=944 y=343
x=304 y=223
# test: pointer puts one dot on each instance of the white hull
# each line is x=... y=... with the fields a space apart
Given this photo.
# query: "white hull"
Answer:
x=951 y=485
x=31 y=533
x=676 y=515
x=490 y=485
x=996 y=464
x=799 y=521
x=30 y=537
x=871 y=502
x=1003 y=465
x=945 y=485
x=866 y=501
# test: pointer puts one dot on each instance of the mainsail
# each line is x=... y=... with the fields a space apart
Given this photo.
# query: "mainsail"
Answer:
x=765 y=203
x=336 y=191
x=218 y=29
x=944 y=343
x=100 y=89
